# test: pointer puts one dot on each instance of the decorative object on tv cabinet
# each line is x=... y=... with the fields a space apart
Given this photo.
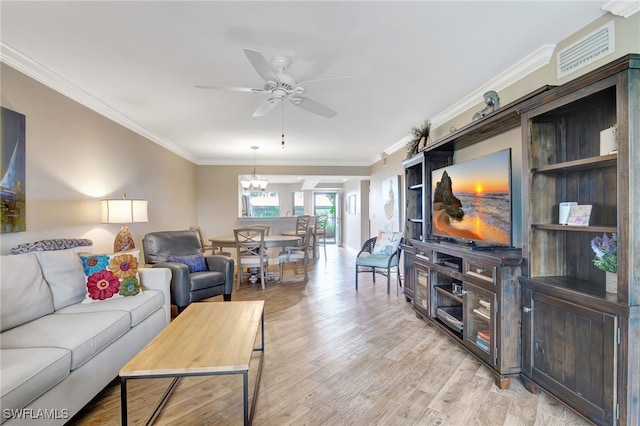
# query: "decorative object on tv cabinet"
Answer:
x=253 y=183
x=471 y=201
x=13 y=185
x=608 y=141
x=606 y=250
x=492 y=101
x=579 y=215
x=419 y=138
x=564 y=208
x=124 y=211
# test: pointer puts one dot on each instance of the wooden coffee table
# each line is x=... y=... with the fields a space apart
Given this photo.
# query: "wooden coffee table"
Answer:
x=207 y=338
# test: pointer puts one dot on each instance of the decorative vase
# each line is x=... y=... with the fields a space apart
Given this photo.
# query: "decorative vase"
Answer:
x=612 y=282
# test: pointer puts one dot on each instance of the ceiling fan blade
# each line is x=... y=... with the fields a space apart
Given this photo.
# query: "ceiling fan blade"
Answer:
x=316 y=80
x=265 y=107
x=261 y=65
x=313 y=106
x=231 y=88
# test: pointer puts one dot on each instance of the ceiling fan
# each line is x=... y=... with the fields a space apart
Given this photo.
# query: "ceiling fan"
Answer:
x=278 y=85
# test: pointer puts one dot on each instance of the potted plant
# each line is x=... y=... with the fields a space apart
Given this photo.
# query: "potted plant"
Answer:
x=606 y=250
x=420 y=135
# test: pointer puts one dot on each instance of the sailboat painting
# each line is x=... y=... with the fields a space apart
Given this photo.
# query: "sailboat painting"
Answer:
x=12 y=186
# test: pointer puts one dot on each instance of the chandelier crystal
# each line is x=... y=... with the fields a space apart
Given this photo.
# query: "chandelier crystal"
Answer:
x=253 y=183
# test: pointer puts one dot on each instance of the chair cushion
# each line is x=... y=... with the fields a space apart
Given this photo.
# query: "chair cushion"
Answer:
x=195 y=262
x=111 y=275
x=202 y=280
x=30 y=372
x=376 y=260
x=387 y=243
x=84 y=334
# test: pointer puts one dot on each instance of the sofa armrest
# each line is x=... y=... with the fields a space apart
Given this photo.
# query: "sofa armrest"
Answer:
x=158 y=279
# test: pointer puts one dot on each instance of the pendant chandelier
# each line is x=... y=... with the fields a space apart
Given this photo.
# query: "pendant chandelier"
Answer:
x=254 y=183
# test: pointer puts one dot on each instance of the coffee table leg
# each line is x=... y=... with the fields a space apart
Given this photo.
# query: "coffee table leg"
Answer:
x=245 y=395
x=123 y=399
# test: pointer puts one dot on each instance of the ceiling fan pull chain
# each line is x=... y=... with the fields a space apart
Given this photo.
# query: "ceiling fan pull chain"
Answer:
x=282 y=143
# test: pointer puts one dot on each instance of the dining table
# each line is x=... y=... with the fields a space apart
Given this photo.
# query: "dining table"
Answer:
x=269 y=241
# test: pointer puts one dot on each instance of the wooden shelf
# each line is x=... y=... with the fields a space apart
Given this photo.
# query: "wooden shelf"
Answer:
x=583 y=164
x=446 y=290
x=592 y=228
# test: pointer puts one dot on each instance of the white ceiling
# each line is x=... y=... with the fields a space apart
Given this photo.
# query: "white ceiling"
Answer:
x=138 y=63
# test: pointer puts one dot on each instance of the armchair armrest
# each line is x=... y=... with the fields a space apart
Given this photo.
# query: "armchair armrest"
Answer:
x=179 y=282
x=158 y=279
x=222 y=264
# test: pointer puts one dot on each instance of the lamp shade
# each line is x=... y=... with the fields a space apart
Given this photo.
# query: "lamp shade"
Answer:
x=124 y=211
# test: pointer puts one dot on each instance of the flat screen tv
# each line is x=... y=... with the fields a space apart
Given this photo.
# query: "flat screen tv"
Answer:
x=471 y=201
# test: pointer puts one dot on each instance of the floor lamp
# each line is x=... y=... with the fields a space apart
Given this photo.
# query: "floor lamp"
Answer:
x=124 y=211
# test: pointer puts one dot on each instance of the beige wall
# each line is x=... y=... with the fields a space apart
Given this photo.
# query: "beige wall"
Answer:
x=356 y=227
x=218 y=202
x=627 y=40
x=75 y=157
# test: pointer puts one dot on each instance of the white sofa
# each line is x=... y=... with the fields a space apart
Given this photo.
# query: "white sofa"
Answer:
x=57 y=353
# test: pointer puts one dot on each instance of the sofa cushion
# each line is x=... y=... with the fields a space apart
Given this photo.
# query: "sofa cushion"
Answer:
x=139 y=307
x=111 y=275
x=62 y=269
x=24 y=293
x=195 y=262
x=30 y=372
x=84 y=334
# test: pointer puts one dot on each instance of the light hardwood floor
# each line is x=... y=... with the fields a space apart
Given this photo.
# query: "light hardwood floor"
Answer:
x=334 y=356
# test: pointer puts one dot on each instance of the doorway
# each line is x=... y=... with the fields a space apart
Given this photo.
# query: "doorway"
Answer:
x=327 y=203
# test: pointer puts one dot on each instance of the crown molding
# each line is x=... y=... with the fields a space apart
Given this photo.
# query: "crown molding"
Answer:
x=622 y=8
x=38 y=72
x=518 y=71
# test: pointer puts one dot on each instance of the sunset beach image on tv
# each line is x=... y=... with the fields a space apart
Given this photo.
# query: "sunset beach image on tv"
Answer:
x=472 y=200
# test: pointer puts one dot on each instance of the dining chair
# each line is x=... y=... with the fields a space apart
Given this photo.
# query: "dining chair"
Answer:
x=266 y=227
x=298 y=253
x=320 y=234
x=206 y=246
x=251 y=252
x=302 y=224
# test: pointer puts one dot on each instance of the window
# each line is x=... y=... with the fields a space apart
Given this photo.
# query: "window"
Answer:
x=298 y=203
x=264 y=204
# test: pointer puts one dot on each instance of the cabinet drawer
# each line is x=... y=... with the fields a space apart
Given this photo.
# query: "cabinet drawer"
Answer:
x=478 y=270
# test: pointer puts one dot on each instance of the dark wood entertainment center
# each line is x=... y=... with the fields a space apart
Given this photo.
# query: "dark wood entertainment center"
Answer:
x=540 y=312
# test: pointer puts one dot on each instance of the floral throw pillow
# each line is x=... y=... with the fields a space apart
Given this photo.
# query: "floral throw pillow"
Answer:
x=109 y=276
x=195 y=262
x=387 y=243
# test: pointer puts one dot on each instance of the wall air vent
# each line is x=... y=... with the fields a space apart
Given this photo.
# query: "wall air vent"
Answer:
x=588 y=49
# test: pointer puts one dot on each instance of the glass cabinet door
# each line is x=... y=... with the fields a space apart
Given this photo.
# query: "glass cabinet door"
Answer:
x=479 y=328
x=421 y=296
